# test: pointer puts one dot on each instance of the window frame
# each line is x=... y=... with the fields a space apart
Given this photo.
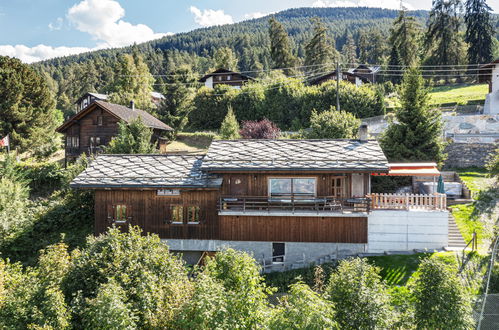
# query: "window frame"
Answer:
x=292 y=178
x=115 y=213
x=100 y=120
x=179 y=214
x=197 y=214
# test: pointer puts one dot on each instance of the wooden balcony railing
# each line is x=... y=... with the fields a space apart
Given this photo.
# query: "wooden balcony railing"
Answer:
x=292 y=204
x=408 y=202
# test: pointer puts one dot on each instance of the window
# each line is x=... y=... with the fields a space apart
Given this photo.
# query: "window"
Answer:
x=97 y=141
x=229 y=77
x=120 y=213
x=99 y=120
x=193 y=214
x=278 y=252
x=92 y=140
x=177 y=214
x=219 y=78
x=292 y=186
x=72 y=141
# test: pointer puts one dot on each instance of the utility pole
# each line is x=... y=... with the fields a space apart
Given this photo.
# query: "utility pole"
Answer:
x=338 y=86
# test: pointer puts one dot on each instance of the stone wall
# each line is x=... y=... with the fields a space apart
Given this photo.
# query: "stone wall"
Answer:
x=460 y=155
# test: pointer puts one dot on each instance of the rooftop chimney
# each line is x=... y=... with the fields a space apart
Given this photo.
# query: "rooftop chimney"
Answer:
x=363 y=132
x=132 y=105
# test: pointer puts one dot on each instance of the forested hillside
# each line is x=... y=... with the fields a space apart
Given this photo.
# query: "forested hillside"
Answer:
x=71 y=76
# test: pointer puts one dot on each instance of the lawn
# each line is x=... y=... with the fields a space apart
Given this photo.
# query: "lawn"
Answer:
x=398 y=269
x=475 y=178
x=458 y=94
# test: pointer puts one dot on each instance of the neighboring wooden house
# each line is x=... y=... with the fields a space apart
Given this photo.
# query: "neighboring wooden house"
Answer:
x=282 y=200
x=345 y=76
x=367 y=72
x=225 y=77
x=94 y=126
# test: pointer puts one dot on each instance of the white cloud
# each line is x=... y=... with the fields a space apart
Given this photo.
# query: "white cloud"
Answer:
x=40 y=52
x=389 y=4
x=57 y=25
x=210 y=17
x=103 y=20
x=255 y=15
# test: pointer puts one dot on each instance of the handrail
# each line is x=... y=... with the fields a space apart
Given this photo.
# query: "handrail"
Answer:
x=434 y=201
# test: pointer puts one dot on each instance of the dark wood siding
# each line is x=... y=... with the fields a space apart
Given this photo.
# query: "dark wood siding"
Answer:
x=151 y=213
x=294 y=229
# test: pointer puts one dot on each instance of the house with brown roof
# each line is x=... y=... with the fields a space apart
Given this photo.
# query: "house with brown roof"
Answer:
x=94 y=126
x=88 y=98
x=225 y=77
x=284 y=201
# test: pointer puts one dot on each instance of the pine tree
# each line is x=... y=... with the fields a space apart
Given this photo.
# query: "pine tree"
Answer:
x=280 y=48
x=133 y=82
x=443 y=43
x=230 y=127
x=372 y=46
x=395 y=64
x=417 y=133
x=479 y=31
x=225 y=58
x=319 y=49
x=132 y=138
x=179 y=93
x=349 y=51
x=404 y=36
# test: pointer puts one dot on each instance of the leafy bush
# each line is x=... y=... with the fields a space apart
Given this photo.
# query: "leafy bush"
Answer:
x=283 y=280
x=264 y=129
x=360 y=298
x=133 y=138
x=333 y=124
x=493 y=165
x=440 y=299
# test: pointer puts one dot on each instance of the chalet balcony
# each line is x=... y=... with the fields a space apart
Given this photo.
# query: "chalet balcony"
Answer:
x=322 y=205
x=300 y=205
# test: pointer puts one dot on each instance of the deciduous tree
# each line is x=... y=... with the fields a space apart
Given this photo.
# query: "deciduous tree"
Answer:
x=333 y=124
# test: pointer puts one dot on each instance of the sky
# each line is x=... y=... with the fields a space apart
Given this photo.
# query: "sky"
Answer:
x=34 y=30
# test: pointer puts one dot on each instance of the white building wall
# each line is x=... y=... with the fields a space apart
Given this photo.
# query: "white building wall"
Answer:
x=209 y=82
x=407 y=230
x=492 y=104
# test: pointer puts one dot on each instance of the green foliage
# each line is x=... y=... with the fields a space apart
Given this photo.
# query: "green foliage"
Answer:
x=360 y=298
x=27 y=109
x=333 y=124
x=108 y=310
x=303 y=308
x=479 y=31
x=440 y=298
x=177 y=105
x=417 y=133
x=13 y=208
x=154 y=282
x=225 y=58
x=404 y=40
x=280 y=47
x=230 y=127
x=132 y=138
x=349 y=51
x=493 y=165
x=318 y=51
x=133 y=82
x=245 y=290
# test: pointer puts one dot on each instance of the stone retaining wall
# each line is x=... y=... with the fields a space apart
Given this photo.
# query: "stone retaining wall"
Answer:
x=460 y=155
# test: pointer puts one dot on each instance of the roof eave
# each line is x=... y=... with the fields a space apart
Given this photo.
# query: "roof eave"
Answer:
x=294 y=169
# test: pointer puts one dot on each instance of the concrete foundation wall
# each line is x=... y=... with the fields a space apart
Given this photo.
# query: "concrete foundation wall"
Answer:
x=294 y=251
x=407 y=230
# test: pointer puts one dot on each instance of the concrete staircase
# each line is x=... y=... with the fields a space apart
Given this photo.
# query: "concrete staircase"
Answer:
x=455 y=238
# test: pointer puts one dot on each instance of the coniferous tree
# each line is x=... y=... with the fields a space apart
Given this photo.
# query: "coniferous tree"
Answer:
x=417 y=134
x=395 y=64
x=230 y=127
x=404 y=40
x=280 y=48
x=479 y=31
x=177 y=104
x=133 y=82
x=319 y=49
x=349 y=51
x=132 y=138
x=225 y=58
x=444 y=45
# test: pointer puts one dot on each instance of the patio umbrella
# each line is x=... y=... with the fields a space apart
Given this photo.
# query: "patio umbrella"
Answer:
x=440 y=185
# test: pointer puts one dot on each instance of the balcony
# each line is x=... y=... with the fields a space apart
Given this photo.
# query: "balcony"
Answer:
x=409 y=202
x=296 y=205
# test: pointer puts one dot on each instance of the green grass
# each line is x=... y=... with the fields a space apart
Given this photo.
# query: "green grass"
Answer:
x=398 y=269
x=460 y=94
x=475 y=178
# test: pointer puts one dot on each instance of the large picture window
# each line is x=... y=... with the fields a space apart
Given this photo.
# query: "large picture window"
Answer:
x=292 y=187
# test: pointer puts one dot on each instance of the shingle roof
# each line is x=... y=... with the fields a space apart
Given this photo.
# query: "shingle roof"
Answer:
x=146 y=171
x=282 y=155
x=127 y=114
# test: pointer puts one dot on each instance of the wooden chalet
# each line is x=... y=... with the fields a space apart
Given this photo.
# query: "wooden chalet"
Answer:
x=367 y=72
x=87 y=99
x=282 y=200
x=225 y=77
x=94 y=126
x=345 y=76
